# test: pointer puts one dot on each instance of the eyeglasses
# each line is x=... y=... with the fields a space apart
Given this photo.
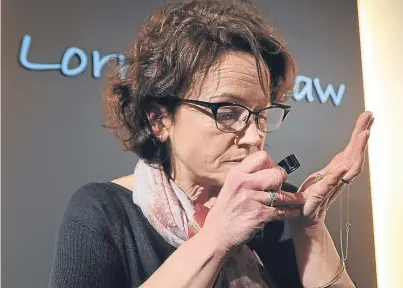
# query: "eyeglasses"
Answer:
x=231 y=117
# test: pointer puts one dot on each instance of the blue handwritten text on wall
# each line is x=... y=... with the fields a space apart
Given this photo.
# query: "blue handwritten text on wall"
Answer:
x=304 y=86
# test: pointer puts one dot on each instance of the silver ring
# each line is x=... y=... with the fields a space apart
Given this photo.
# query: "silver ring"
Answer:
x=273 y=197
x=318 y=178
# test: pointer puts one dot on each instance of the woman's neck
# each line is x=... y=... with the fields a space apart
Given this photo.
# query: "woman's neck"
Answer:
x=198 y=192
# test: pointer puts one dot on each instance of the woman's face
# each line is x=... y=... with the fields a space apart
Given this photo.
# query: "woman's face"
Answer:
x=202 y=154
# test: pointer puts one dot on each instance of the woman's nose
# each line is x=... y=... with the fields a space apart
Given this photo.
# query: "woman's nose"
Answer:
x=251 y=134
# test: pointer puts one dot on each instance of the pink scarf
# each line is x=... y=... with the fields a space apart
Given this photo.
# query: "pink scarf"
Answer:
x=175 y=217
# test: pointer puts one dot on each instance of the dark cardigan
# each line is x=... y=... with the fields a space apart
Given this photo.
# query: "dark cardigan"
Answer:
x=104 y=240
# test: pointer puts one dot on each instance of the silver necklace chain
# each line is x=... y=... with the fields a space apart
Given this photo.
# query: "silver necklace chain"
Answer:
x=344 y=254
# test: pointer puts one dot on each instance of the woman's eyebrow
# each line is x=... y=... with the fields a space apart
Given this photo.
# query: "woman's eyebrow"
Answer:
x=225 y=97
x=237 y=99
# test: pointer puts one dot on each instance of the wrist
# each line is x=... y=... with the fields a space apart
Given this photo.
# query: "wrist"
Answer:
x=211 y=240
x=311 y=230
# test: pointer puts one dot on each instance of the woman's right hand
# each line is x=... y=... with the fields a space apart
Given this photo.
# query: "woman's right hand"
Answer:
x=242 y=208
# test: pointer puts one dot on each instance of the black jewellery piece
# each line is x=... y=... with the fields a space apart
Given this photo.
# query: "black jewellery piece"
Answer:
x=289 y=163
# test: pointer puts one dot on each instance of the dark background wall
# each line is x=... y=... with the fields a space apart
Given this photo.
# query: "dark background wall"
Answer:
x=52 y=141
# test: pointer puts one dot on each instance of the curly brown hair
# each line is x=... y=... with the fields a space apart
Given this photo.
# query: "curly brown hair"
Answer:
x=176 y=44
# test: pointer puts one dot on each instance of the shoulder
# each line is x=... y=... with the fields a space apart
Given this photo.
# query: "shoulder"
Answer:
x=99 y=195
x=99 y=205
x=86 y=252
x=99 y=192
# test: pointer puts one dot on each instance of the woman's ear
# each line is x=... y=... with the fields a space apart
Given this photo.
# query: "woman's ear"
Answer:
x=160 y=122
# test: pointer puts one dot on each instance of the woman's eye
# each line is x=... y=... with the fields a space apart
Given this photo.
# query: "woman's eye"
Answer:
x=225 y=116
x=228 y=115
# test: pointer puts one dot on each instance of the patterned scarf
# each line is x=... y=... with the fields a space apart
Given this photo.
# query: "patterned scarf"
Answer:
x=176 y=218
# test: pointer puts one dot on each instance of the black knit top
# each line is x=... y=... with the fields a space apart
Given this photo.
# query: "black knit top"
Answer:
x=104 y=240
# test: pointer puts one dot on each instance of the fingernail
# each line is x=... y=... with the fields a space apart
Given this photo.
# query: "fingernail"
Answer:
x=370 y=123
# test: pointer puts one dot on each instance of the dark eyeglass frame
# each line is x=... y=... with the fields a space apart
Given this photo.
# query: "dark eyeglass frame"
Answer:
x=214 y=106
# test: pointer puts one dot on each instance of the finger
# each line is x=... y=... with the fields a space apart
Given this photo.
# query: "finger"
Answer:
x=323 y=187
x=266 y=179
x=361 y=142
x=255 y=162
x=362 y=123
x=274 y=214
x=281 y=198
x=358 y=159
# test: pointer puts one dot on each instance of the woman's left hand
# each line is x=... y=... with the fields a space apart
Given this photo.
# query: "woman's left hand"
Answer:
x=346 y=165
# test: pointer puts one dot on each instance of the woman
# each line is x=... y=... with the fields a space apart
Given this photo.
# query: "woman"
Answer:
x=203 y=84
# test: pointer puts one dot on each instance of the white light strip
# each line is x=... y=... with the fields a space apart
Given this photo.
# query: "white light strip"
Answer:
x=381 y=33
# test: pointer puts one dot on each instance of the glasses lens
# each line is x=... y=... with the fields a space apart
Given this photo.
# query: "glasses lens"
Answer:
x=270 y=119
x=231 y=118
